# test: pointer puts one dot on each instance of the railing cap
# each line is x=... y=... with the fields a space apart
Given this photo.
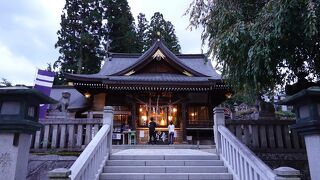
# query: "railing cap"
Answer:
x=286 y=171
x=59 y=173
x=218 y=110
x=108 y=109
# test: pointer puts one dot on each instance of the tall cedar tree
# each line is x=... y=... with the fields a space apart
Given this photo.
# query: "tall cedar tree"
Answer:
x=80 y=37
x=261 y=44
x=141 y=29
x=4 y=82
x=121 y=27
x=167 y=33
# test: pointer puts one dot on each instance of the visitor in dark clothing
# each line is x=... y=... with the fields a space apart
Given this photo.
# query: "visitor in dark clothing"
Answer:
x=152 y=131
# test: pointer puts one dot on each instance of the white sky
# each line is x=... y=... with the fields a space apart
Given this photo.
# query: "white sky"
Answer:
x=28 y=33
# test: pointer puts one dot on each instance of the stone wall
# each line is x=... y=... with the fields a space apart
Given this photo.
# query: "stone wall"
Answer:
x=40 y=165
x=297 y=160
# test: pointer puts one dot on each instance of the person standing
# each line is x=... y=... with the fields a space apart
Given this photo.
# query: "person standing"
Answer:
x=152 y=131
x=171 y=132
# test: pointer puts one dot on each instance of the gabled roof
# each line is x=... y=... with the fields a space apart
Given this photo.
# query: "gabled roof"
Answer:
x=158 y=48
x=120 y=61
x=123 y=67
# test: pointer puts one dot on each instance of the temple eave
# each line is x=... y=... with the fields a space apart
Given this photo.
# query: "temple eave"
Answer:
x=152 y=87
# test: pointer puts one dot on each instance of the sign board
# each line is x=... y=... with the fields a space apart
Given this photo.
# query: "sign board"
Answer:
x=141 y=134
x=116 y=136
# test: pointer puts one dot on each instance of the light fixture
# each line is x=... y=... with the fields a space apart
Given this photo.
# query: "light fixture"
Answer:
x=87 y=95
x=307 y=109
x=174 y=109
x=228 y=95
x=170 y=118
x=192 y=114
x=140 y=109
x=306 y=104
x=162 y=122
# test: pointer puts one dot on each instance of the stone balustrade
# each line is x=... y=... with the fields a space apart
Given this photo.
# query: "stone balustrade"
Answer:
x=90 y=163
x=240 y=160
x=266 y=134
x=69 y=134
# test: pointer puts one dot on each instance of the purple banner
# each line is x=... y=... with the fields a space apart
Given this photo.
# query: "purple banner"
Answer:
x=44 y=83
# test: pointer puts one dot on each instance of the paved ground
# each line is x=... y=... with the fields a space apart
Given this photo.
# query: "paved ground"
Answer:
x=161 y=152
x=163 y=149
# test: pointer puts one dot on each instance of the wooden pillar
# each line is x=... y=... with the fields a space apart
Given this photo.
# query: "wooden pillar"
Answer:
x=183 y=121
x=134 y=118
x=211 y=112
x=210 y=107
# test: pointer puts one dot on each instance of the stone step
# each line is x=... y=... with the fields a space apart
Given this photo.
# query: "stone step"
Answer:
x=165 y=169
x=165 y=163
x=164 y=157
x=161 y=176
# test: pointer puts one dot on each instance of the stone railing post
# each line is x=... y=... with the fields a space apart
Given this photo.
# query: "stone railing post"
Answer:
x=218 y=121
x=108 y=119
x=287 y=173
x=59 y=174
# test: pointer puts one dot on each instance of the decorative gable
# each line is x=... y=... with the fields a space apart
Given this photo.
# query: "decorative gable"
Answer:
x=159 y=59
x=158 y=55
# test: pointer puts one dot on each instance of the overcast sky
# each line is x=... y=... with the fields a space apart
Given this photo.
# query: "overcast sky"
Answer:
x=28 y=33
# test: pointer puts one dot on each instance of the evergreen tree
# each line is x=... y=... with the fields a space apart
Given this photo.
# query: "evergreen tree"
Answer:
x=4 y=82
x=142 y=28
x=167 y=33
x=120 y=27
x=80 y=37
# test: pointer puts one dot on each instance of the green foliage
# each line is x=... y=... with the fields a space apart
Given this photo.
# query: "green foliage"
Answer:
x=284 y=114
x=5 y=82
x=261 y=44
x=80 y=37
x=121 y=27
x=59 y=153
x=91 y=28
x=141 y=29
x=238 y=98
x=167 y=33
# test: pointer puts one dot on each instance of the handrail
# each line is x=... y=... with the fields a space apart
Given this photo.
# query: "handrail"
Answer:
x=91 y=161
x=239 y=159
x=87 y=165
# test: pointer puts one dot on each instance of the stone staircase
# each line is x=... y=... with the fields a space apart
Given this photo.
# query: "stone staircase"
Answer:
x=164 y=164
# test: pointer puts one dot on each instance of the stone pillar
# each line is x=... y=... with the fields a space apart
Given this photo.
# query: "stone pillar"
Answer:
x=108 y=119
x=59 y=174
x=287 y=173
x=18 y=120
x=14 y=154
x=90 y=115
x=108 y=115
x=313 y=152
x=218 y=121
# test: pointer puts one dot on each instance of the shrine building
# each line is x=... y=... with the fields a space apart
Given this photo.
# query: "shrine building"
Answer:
x=183 y=88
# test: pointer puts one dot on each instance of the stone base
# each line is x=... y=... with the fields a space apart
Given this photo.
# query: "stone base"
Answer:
x=14 y=155
x=39 y=166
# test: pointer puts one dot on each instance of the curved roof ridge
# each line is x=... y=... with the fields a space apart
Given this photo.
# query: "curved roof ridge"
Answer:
x=159 y=45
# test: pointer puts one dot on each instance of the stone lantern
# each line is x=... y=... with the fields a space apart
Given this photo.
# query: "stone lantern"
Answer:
x=19 y=112
x=306 y=104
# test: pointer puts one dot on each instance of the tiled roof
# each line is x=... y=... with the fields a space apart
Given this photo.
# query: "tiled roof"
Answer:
x=118 y=64
x=158 y=77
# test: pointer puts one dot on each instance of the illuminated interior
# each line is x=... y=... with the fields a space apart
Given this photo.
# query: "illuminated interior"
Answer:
x=162 y=115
